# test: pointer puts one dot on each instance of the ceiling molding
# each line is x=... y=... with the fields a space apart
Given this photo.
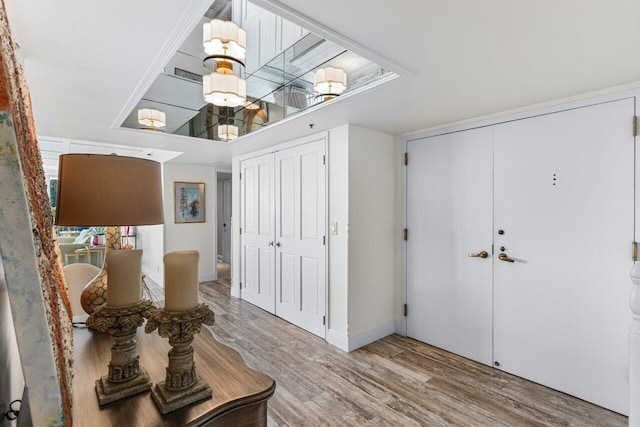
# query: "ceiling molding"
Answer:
x=323 y=31
x=193 y=13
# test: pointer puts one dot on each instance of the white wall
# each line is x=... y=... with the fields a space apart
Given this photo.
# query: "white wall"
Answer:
x=373 y=238
x=338 y=164
x=191 y=236
x=150 y=238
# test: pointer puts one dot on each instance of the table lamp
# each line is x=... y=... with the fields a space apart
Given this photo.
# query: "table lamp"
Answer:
x=110 y=190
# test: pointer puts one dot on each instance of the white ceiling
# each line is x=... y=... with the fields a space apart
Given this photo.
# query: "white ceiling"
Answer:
x=84 y=60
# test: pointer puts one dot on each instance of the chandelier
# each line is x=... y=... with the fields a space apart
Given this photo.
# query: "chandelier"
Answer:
x=151 y=118
x=329 y=82
x=226 y=43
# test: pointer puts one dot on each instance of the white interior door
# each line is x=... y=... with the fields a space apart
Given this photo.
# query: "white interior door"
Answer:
x=257 y=206
x=564 y=212
x=449 y=216
x=226 y=225
x=300 y=236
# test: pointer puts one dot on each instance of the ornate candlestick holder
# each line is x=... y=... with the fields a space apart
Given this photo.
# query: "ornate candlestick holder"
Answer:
x=182 y=385
x=125 y=377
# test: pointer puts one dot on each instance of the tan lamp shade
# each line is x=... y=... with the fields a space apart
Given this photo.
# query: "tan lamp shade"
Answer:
x=108 y=190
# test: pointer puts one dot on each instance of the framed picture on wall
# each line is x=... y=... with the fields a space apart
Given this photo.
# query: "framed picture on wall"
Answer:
x=189 y=202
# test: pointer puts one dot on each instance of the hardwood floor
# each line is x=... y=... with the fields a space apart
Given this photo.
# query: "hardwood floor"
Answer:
x=396 y=381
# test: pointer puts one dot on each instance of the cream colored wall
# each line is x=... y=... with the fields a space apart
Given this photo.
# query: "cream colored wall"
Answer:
x=190 y=236
x=373 y=240
x=338 y=172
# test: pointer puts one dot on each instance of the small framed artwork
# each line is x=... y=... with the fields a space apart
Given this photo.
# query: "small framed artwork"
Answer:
x=189 y=202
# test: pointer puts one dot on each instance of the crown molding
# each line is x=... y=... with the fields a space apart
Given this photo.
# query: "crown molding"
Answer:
x=323 y=31
x=194 y=11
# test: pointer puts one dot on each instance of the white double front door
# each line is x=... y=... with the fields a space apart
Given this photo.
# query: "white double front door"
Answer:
x=550 y=202
x=283 y=220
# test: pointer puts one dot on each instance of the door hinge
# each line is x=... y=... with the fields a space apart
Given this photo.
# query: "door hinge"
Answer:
x=405 y=310
x=240 y=175
x=324 y=320
x=406 y=159
x=240 y=285
x=240 y=230
x=635 y=126
x=324 y=240
x=634 y=251
x=324 y=159
x=406 y=234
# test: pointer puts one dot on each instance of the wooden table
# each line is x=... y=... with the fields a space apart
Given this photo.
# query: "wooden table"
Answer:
x=240 y=394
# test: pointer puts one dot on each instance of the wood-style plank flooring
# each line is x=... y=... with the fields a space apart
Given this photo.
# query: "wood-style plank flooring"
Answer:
x=396 y=381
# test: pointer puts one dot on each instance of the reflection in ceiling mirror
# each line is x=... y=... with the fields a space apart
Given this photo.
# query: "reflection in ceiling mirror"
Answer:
x=287 y=69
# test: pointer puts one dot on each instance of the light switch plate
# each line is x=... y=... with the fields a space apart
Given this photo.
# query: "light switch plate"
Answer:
x=334 y=228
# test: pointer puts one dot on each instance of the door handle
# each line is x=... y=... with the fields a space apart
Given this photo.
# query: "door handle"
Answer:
x=483 y=254
x=505 y=258
x=278 y=244
x=271 y=243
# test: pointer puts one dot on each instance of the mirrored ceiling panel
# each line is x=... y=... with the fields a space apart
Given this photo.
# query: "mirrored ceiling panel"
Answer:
x=279 y=71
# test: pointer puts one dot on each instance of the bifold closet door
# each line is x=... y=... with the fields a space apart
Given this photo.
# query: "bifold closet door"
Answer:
x=300 y=236
x=449 y=218
x=257 y=207
x=564 y=213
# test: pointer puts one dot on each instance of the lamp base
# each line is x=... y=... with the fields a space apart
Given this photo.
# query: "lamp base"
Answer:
x=108 y=391
x=169 y=401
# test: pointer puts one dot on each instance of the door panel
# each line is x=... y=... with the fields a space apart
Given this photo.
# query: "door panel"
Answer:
x=449 y=215
x=257 y=208
x=300 y=209
x=564 y=199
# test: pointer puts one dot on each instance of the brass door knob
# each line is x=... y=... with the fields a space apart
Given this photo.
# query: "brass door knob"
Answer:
x=505 y=258
x=483 y=254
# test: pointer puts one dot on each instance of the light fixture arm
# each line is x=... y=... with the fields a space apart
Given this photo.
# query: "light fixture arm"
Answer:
x=222 y=58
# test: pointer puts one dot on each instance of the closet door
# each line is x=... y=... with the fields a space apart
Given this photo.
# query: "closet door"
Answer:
x=449 y=218
x=257 y=206
x=300 y=234
x=564 y=213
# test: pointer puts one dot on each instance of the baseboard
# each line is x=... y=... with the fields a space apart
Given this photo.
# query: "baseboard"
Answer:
x=207 y=277
x=372 y=335
x=235 y=290
x=219 y=257
x=338 y=340
x=352 y=343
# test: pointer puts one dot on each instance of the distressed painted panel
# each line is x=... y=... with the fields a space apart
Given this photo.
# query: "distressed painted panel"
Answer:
x=24 y=285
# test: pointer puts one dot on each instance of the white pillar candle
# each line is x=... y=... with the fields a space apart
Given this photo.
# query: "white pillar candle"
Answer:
x=181 y=280
x=123 y=277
